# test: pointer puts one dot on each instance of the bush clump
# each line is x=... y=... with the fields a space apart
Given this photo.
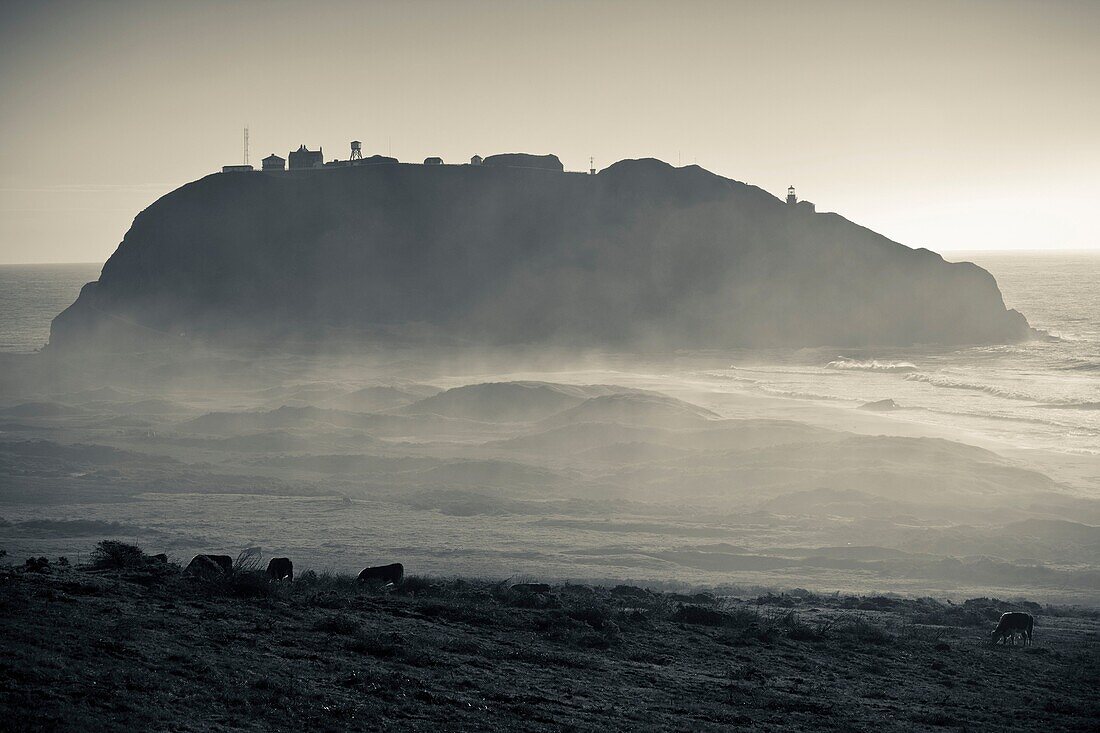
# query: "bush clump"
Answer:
x=249 y=560
x=595 y=614
x=862 y=631
x=799 y=630
x=700 y=615
x=416 y=585
x=115 y=555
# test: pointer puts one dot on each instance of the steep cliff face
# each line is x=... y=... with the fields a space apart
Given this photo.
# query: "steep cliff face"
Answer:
x=642 y=254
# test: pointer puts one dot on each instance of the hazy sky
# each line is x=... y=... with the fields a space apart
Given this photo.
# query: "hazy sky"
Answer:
x=948 y=125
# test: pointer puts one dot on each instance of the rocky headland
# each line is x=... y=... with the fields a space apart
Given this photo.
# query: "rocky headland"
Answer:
x=642 y=254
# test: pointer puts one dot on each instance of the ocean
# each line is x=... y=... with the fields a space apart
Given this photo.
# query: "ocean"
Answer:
x=30 y=297
x=1041 y=394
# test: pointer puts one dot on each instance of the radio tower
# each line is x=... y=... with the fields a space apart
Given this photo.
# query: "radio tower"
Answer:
x=591 y=166
x=246 y=144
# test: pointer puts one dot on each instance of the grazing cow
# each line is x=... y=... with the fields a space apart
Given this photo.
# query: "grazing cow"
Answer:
x=392 y=573
x=1012 y=623
x=210 y=565
x=280 y=568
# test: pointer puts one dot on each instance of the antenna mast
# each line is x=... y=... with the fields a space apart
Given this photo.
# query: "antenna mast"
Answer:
x=246 y=144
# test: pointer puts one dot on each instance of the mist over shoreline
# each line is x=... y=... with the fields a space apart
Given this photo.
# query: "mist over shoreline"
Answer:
x=608 y=465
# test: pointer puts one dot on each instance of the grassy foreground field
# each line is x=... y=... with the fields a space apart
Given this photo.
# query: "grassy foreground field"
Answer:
x=144 y=647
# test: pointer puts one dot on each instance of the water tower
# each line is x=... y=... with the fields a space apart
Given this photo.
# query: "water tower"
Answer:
x=356 y=150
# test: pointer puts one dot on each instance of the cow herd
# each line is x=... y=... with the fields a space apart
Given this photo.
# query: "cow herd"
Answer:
x=282 y=568
x=1011 y=624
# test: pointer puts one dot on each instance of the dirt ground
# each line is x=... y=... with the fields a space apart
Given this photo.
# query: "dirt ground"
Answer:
x=149 y=649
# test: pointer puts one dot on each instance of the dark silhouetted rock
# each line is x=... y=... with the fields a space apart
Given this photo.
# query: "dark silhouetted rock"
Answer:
x=641 y=255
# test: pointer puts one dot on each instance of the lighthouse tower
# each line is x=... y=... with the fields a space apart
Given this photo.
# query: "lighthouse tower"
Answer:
x=791 y=198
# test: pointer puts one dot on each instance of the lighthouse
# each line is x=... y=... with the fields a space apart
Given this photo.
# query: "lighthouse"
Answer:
x=791 y=198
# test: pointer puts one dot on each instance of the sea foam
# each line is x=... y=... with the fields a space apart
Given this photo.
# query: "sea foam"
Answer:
x=871 y=366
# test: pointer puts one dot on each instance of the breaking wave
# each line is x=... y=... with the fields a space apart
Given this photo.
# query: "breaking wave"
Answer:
x=956 y=384
x=1012 y=418
x=871 y=366
x=1044 y=402
x=799 y=395
x=1080 y=365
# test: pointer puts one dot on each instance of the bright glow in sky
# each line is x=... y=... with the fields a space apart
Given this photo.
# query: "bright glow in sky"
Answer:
x=947 y=125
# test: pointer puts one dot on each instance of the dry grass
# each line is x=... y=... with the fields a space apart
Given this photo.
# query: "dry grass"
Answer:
x=97 y=652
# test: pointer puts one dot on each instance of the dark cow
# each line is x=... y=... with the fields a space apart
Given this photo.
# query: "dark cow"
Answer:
x=1012 y=623
x=210 y=565
x=392 y=573
x=280 y=568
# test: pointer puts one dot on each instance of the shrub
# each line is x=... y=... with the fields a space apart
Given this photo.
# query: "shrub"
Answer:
x=770 y=599
x=990 y=608
x=699 y=615
x=114 y=555
x=629 y=591
x=951 y=616
x=878 y=603
x=595 y=614
x=555 y=624
x=862 y=631
x=37 y=565
x=1072 y=612
x=249 y=560
x=741 y=618
x=799 y=630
